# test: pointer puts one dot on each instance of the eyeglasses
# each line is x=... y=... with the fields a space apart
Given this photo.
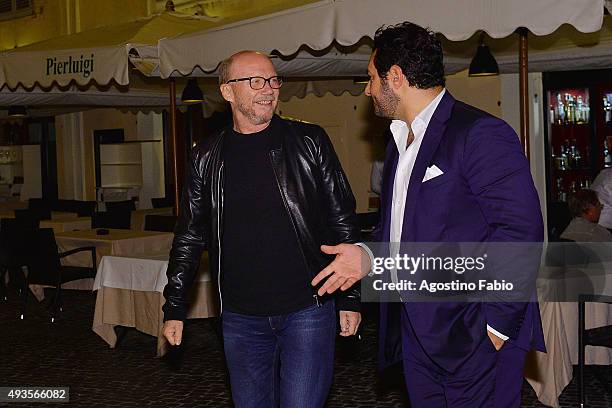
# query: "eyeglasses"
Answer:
x=258 y=83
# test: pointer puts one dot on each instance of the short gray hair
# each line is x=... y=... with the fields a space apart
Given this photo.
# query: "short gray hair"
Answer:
x=224 y=70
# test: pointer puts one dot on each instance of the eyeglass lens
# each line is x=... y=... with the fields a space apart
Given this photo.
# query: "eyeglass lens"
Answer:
x=259 y=82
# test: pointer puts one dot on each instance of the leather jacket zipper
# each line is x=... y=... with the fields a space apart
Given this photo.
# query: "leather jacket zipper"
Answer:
x=315 y=296
x=220 y=195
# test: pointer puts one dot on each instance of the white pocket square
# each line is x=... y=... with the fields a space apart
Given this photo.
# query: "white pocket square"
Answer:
x=432 y=172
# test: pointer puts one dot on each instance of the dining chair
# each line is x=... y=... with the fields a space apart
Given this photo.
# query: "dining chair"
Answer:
x=161 y=202
x=37 y=214
x=44 y=267
x=107 y=219
x=14 y=252
x=84 y=208
x=120 y=206
x=598 y=336
x=161 y=223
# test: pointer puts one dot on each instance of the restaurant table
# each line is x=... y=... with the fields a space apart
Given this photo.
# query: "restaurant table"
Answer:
x=55 y=215
x=117 y=242
x=67 y=224
x=7 y=214
x=137 y=220
x=129 y=293
x=13 y=205
x=549 y=373
x=62 y=215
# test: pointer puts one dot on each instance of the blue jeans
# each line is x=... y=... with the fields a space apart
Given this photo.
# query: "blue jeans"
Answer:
x=286 y=359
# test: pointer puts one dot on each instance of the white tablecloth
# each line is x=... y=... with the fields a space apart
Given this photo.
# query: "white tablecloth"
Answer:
x=129 y=293
x=117 y=242
x=147 y=272
x=550 y=373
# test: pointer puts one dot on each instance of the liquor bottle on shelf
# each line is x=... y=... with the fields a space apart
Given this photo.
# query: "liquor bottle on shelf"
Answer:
x=578 y=159
x=580 y=111
x=561 y=194
x=606 y=153
x=562 y=160
x=607 y=109
x=560 y=110
x=552 y=115
x=571 y=109
x=573 y=187
x=585 y=184
x=575 y=156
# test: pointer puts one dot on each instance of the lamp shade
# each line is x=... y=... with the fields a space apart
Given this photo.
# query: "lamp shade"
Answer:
x=192 y=92
x=17 y=111
x=484 y=63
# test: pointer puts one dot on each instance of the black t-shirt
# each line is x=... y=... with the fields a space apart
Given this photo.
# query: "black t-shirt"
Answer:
x=263 y=269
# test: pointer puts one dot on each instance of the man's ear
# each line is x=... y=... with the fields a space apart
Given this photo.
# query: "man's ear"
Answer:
x=395 y=77
x=227 y=92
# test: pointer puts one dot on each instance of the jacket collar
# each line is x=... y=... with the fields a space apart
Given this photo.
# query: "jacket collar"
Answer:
x=431 y=141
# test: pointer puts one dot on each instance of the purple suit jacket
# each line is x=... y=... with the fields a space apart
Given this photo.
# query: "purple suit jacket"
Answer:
x=486 y=194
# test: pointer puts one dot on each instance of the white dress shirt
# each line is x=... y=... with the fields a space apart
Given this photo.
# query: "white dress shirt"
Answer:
x=407 y=158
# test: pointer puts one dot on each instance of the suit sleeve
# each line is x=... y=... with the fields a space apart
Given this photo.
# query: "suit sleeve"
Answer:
x=188 y=244
x=341 y=219
x=498 y=174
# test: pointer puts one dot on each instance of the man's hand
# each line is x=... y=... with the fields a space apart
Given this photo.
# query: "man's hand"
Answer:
x=173 y=332
x=351 y=264
x=349 y=323
x=497 y=342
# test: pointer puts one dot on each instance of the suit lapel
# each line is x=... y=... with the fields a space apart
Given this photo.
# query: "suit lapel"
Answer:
x=429 y=145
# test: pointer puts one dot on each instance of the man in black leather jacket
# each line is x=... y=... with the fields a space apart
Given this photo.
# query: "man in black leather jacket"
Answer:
x=263 y=197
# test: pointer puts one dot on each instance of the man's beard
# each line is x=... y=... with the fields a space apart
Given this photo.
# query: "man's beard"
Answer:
x=386 y=105
x=254 y=118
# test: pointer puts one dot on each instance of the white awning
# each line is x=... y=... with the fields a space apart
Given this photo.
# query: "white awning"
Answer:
x=319 y=25
x=142 y=94
x=99 y=55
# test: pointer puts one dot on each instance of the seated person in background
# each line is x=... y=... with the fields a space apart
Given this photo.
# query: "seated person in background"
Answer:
x=586 y=210
x=602 y=185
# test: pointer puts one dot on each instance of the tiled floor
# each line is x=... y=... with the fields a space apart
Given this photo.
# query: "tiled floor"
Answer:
x=35 y=352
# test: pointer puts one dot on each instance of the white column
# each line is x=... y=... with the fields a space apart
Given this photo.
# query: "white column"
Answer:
x=150 y=127
x=511 y=114
x=72 y=155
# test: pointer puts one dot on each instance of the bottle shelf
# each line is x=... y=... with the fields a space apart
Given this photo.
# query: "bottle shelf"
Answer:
x=582 y=169
x=570 y=125
x=569 y=107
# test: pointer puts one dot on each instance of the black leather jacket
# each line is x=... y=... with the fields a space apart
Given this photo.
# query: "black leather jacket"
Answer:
x=313 y=187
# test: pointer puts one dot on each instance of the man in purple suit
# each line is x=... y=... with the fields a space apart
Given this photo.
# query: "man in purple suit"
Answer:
x=452 y=174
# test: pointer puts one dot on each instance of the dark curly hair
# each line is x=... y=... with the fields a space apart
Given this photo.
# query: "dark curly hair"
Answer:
x=581 y=201
x=416 y=50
